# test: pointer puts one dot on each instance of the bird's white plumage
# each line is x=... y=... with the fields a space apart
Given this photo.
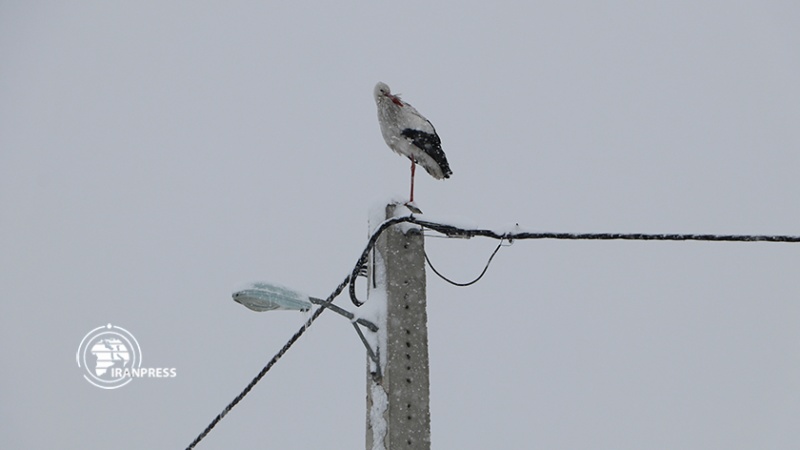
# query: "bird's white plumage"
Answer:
x=409 y=133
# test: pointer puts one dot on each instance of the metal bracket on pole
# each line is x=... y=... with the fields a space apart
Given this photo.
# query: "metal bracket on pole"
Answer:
x=356 y=322
x=373 y=355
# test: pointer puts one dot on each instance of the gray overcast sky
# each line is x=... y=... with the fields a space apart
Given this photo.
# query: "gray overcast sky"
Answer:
x=155 y=155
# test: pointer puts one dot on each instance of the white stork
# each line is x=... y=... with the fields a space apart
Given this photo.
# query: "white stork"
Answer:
x=410 y=134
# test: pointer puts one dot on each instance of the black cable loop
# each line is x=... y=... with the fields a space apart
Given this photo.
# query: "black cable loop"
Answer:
x=485 y=268
x=362 y=261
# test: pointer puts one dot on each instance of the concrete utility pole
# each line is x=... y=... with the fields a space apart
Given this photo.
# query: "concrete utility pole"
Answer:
x=398 y=404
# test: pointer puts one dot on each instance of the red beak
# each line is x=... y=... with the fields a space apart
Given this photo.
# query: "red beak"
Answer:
x=395 y=100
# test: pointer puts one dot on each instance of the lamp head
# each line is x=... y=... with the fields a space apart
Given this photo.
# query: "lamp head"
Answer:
x=269 y=296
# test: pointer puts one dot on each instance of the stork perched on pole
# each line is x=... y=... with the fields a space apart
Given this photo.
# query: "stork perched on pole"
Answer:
x=410 y=134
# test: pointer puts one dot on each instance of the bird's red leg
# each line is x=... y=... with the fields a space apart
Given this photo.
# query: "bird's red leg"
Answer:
x=413 y=166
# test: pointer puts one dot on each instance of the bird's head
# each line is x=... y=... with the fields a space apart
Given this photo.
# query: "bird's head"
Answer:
x=382 y=91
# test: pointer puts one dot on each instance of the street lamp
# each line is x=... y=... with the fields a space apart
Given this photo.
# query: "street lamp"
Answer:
x=271 y=297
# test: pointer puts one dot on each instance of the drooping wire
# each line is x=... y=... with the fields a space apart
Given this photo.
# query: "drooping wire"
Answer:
x=485 y=268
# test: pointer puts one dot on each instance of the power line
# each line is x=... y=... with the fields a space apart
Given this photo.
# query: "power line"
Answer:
x=454 y=231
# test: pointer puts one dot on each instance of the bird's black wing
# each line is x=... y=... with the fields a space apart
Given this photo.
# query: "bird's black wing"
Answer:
x=430 y=144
